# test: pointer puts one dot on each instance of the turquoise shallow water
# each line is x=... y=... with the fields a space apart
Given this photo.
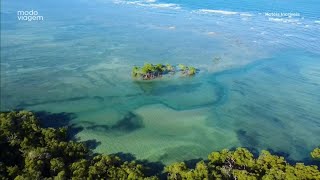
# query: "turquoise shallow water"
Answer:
x=75 y=64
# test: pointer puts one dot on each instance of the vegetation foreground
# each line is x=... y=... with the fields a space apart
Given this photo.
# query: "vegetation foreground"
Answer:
x=29 y=151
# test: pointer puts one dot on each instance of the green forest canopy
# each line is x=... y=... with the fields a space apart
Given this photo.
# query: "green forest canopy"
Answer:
x=29 y=151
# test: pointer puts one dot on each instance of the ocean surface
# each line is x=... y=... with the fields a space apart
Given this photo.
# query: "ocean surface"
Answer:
x=258 y=83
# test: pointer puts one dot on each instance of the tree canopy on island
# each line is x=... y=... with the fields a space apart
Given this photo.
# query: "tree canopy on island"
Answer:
x=316 y=154
x=150 y=71
x=29 y=151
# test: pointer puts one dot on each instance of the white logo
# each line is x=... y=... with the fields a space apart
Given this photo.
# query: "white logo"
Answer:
x=29 y=16
x=282 y=14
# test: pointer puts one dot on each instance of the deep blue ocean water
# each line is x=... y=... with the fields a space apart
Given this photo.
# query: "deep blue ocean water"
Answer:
x=258 y=84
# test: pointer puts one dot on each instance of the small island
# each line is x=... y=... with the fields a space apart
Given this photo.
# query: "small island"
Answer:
x=150 y=71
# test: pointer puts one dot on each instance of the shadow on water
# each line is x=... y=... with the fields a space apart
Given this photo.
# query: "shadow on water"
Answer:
x=148 y=86
x=100 y=128
x=191 y=163
x=184 y=88
x=54 y=120
x=125 y=156
x=306 y=161
x=92 y=143
x=252 y=150
x=63 y=119
x=251 y=143
x=151 y=168
x=129 y=123
x=281 y=153
x=26 y=104
x=247 y=140
x=158 y=87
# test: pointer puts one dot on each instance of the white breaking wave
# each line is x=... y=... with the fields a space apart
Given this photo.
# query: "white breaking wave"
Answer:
x=150 y=3
x=246 y=14
x=223 y=12
x=164 y=5
x=284 y=20
x=206 y=11
x=288 y=35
